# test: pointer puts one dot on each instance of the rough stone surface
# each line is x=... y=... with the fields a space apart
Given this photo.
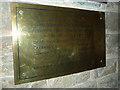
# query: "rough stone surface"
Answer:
x=0 y=83
x=6 y=19
x=8 y=82
x=0 y=45
x=118 y=79
x=107 y=70
x=1 y=69
x=81 y=77
x=119 y=54
x=69 y=80
x=112 y=56
x=93 y=74
x=112 y=43
x=1 y=57
x=7 y=69
x=110 y=81
x=89 y=84
x=0 y=19
x=118 y=65
x=7 y=58
x=111 y=61
x=6 y=45
x=39 y=84
x=111 y=28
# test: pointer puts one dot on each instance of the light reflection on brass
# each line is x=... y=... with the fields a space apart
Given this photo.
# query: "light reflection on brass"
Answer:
x=50 y=41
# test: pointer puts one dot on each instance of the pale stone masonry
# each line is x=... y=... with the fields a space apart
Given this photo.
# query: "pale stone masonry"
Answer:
x=106 y=77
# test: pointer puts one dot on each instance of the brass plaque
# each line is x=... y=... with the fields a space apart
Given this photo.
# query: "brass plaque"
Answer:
x=50 y=41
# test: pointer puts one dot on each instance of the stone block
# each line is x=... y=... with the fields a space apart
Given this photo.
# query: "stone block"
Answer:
x=39 y=84
x=109 y=81
x=112 y=44
x=111 y=61
x=110 y=17
x=89 y=84
x=118 y=79
x=119 y=52
x=69 y=80
x=0 y=19
x=7 y=58
x=109 y=69
x=0 y=83
x=6 y=45
x=118 y=65
x=6 y=19
x=112 y=56
x=0 y=70
x=93 y=74
x=1 y=56
x=60 y=82
x=8 y=82
x=7 y=69
x=0 y=47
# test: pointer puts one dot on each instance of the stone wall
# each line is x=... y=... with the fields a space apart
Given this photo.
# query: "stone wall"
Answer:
x=106 y=77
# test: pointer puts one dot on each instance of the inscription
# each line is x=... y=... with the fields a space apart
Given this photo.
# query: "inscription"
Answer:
x=63 y=41
x=54 y=41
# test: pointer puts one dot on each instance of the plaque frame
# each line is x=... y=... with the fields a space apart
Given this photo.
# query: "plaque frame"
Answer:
x=16 y=52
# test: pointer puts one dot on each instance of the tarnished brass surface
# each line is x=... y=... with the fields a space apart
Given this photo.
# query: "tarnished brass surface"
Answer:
x=51 y=41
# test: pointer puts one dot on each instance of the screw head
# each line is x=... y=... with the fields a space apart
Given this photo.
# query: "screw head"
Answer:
x=100 y=18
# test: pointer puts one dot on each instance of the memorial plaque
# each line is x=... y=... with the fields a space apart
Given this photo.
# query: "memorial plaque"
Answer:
x=50 y=41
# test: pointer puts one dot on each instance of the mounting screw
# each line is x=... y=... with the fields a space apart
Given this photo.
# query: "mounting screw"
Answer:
x=23 y=74
x=20 y=12
x=100 y=18
x=101 y=61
